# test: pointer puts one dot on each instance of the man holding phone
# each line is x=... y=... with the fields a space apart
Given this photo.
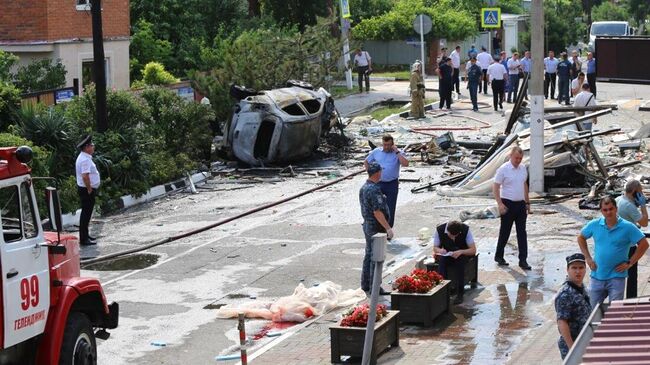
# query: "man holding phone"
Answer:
x=632 y=208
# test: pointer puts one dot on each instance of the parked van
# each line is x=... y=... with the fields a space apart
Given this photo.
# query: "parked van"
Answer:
x=609 y=29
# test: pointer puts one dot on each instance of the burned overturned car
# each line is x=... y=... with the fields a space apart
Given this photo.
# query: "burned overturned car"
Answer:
x=279 y=125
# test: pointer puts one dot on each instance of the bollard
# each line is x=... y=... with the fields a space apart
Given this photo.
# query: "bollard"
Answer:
x=378 y=256
x=242 y=338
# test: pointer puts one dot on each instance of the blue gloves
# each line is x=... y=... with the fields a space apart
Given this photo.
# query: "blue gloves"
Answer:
x=640 y=199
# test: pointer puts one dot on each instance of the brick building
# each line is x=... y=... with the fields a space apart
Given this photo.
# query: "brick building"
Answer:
x=62 y=29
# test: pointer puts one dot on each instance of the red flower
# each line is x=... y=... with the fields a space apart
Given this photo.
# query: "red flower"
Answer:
x=418 y=281
x=358 y=316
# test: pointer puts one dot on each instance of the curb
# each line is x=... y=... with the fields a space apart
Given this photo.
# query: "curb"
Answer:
x=645 y=107
x=126 y=201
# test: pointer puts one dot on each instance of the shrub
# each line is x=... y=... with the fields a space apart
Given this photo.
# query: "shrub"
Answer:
x=48 y=127
x=7 y=61
x=154 y=73
x=41 y=75
x=9 y=105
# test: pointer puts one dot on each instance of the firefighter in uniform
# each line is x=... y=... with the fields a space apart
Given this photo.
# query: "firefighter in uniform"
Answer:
x=417 y=91
x=375 y=213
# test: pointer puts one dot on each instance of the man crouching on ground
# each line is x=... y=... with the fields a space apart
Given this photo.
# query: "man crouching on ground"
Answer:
x=572 y=303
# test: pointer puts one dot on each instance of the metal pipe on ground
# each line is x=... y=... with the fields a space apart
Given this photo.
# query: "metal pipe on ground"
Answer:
x=216 y=224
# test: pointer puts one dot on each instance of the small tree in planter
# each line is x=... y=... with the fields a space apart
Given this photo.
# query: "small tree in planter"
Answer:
x=347 y=339
x=421 y=297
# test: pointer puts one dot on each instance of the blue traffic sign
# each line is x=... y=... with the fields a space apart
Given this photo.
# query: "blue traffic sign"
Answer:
x=491 y=17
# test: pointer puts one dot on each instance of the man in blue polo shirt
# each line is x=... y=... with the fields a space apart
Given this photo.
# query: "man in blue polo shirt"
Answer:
x=390 y=158
x=613 y=236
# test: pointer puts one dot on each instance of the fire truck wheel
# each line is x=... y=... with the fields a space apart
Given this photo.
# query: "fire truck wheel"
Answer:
x=78 y=346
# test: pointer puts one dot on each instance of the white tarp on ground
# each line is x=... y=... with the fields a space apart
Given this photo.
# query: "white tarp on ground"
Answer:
x=479 y=182
x=298 y=307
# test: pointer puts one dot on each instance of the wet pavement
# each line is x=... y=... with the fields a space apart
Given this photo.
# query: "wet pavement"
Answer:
x=170 y=296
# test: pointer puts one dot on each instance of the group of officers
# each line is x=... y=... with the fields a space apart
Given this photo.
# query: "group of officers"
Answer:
x=618 y=241
x=503 y=74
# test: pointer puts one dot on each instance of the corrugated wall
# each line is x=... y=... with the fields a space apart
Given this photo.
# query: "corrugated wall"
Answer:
x=402 y=53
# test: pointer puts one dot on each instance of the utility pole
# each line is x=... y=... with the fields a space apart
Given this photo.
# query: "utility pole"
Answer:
x=536 y=168
x=345 y=28
x=99 y=69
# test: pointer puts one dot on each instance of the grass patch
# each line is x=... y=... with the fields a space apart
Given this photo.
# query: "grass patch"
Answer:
x=340 y=91
x=382 y=113
x=404 y=75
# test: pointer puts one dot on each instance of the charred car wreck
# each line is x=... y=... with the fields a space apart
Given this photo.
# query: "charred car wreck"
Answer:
x=280 y=125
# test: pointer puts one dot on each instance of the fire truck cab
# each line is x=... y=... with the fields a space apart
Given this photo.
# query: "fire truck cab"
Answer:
x=49 y=313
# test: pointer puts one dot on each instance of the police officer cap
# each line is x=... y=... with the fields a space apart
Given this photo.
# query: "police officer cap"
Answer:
x=373 y=168
x=85 y=142
x=576 y=257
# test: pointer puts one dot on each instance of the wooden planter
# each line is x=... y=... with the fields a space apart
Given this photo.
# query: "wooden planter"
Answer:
x=422 y=308
x=348 y=341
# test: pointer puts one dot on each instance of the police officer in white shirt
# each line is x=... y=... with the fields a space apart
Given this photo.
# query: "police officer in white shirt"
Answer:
x=363 y=61
x=87 y=184
x=497 y=75
x=484 y=60
x=455 y=63
x=550 y=71
x=510 y=191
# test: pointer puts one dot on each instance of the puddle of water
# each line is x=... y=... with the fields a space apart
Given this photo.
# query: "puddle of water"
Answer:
x=131 y=262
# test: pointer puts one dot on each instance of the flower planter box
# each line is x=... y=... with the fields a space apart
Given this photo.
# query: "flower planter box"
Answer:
x=422 y=308
x=348 y=341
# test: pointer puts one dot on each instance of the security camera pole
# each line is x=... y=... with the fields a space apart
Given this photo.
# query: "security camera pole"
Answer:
x=98 y=65
x=378 y=256
x=536 y=168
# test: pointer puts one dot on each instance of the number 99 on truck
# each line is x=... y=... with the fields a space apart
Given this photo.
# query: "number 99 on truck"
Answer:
x=49 y=314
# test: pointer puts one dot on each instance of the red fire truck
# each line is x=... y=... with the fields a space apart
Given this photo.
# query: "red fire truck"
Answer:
x=49 y=312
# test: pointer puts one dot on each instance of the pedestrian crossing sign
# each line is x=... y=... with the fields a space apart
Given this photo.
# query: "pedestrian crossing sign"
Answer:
x=491 y=17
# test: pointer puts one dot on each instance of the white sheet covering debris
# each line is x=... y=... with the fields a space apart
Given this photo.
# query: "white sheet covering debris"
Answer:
x=303 y=304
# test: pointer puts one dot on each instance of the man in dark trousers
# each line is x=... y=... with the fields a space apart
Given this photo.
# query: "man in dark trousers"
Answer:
x=632 y=207
x=474 y=74
x=87 y=184
x=591 y=72
x=510 y=190
x=453 y=244
x=375 y=213
x=390 y=158
x=563 y=79
x=445 y=83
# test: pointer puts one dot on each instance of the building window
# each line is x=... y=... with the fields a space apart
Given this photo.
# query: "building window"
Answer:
x=88 y=73
x=83 y=5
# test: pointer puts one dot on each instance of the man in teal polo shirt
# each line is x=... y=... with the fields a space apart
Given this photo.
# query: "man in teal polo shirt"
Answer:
x=613 y=237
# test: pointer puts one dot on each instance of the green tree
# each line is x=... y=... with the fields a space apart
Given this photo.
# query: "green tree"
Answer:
x=145 y=47
x=560 y=33
x=609 y=11
x=448 y=22
x=154 y=73
x=296 y=12
x=639 y=10
x=9 y=104
x=40 y=75
x=187 y=25
x=366 y=9
x=7 y=61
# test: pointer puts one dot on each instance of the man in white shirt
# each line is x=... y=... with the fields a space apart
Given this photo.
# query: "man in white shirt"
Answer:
x=455 y=63
x=585 y=98
x=510 y=191
x=497 y=75
x=550 y=71
x=576 y=84
x=88 y=182
x=514 y=67
x=484 y=60
x=363 y=61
